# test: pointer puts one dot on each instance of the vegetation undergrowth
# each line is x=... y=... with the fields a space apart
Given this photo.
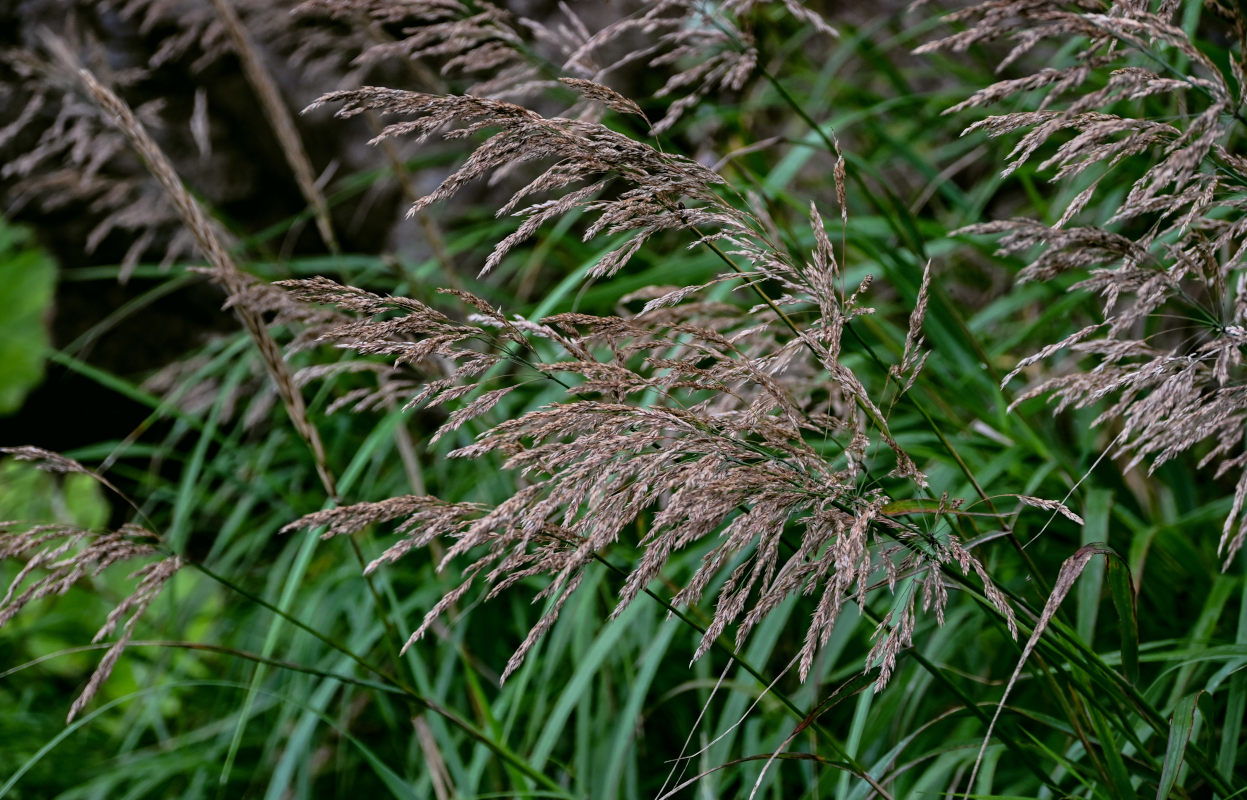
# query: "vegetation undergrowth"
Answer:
x=666 y=399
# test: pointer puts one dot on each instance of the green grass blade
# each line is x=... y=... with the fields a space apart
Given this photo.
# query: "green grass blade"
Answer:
x=1181 y=723
x=1091 y=584
x=1236 y=697
x=1121 y=587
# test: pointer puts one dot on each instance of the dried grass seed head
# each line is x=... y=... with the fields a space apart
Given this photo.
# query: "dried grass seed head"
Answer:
x=1172 y=390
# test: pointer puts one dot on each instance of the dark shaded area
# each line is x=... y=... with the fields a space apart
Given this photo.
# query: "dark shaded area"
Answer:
x=69 y=409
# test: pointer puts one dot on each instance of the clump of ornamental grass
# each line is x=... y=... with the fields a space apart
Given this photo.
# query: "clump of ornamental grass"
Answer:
x=709 y=419
x=725 y=417
x=1141 y=107
x=706 y=418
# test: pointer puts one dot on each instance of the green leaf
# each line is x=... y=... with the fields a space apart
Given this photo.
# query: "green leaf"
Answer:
x=1235 y=701
x=1095 y=529
x=27 y=286
x=1121 y=586
x=1110 y=751
x=1180 y=725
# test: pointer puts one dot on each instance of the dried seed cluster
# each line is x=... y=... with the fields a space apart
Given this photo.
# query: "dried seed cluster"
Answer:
x=1168 y=257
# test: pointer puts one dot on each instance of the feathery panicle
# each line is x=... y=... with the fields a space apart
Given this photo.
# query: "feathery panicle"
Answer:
x=481 y=42
x=152 y=579
x=79 y=159
x=686 y=409
x=706 y=43
x=585 y=155
x=504 y=56
x=56 y=463
x=67 y=555
x=81 y=162
x=914 y=357
x=1176 y=241
x=46 y=460
x=604 y=95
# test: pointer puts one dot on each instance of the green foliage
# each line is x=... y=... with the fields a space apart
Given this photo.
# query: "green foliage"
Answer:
x=27 y=284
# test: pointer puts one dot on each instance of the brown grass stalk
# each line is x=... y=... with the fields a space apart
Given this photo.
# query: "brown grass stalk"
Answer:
x=280 y=120
x=222 y=268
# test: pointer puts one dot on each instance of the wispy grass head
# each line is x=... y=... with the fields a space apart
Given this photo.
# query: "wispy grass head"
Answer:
x=57 y=557
x=1167 y=257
